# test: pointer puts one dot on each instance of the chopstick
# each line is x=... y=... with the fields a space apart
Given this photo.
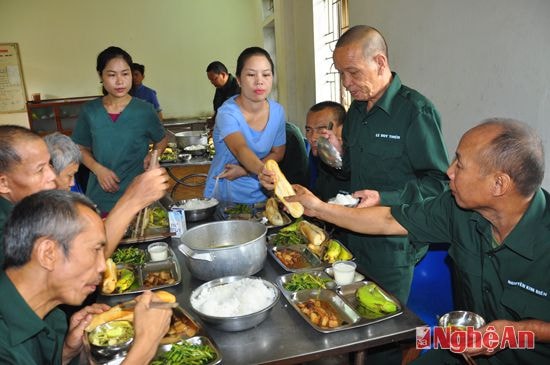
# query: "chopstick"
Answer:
x=161 y=305
x=143 y=216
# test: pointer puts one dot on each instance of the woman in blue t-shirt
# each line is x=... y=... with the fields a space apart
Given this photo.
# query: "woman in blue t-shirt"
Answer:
x=249 y=130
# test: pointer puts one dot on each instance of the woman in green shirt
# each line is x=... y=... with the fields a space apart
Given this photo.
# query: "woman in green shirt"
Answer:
x=114 y=131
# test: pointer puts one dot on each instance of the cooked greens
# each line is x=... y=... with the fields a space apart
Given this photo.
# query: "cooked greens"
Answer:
x=130 y=255
x=305 y=281
x=186 y=353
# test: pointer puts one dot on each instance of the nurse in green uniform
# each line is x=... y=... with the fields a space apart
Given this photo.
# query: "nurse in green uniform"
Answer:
x=114 y=131
x=54 y=255
x=496 y=218
x=393 y=148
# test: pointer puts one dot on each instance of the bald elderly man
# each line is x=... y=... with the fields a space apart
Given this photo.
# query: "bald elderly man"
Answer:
x=497 y=220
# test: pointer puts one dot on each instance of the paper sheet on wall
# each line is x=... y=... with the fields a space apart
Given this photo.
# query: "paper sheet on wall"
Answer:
x=12 y=87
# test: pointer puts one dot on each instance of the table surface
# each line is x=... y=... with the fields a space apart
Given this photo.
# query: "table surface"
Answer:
x=285 y=337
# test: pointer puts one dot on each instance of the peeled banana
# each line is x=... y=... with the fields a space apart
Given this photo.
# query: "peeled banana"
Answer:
x=126 y=279
x=374 y=300
x=109 y=277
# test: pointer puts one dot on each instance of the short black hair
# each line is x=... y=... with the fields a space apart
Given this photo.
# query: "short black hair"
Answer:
x=138 y=67
x=11 y=135
x=50 y=213
x=216 y=67
x=253 y=51
x=337 y=108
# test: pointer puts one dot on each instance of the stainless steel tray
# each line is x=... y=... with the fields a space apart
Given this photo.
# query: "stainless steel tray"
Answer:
x=150 y=234
x=341 y=299
x=197 y=340
x=256 y=214
x=199 y=337
x=140 y=271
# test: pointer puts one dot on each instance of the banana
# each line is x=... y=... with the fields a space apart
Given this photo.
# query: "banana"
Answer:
x=344 y=255
x=109 y=277
x=373 y=299
x=334 y=250
x=284 y=189
x=126 y=280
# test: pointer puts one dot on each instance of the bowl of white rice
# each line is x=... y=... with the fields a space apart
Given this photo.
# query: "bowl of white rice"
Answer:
x=234 y=303
x=197 y=209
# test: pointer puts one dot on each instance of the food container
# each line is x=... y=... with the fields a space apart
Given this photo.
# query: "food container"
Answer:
x=197 y=340
x=195 y=150
x=158 y=251
x=188 y=138
x=120 y=335
x=217 y=249
x=344 y=272
x=198 y=214
x=461 y=320
x=234 y=323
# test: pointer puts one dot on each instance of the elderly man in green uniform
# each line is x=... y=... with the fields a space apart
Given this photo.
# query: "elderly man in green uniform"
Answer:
x=25 y=169
x=496 y=218
x=54 y=255
x=393 y=147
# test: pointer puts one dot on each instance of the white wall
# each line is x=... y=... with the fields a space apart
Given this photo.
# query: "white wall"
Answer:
x=474 y=59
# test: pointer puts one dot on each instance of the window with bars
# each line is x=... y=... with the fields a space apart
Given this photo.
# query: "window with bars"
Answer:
x=330 y=21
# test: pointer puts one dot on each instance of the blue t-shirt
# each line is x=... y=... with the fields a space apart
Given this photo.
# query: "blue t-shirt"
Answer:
x=246 y=189
x=146 y=93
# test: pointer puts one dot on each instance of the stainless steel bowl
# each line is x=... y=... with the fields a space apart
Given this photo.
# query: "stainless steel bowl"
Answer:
x=236 y=323
x=461 y=319
x=195 y=215
x=224 y=248
x=109 y=350
x=188 y=138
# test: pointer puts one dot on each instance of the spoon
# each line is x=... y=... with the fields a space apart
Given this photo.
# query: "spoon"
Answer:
x=327 y=152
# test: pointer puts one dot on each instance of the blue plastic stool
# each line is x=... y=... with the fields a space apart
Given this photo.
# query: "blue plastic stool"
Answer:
x=431 y=290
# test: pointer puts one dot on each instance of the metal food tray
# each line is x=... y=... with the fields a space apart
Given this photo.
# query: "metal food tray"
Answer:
x=341 y=298
x=150 y=234
x=170 y=264
x=200 y=337
x=197 y=340
x=256 y=214
x=314 y=261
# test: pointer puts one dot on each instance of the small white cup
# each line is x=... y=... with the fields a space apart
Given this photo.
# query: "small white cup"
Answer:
x=344 y=272
x=158 y=251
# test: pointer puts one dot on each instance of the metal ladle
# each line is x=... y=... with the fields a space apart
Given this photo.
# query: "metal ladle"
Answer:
x=327 y=152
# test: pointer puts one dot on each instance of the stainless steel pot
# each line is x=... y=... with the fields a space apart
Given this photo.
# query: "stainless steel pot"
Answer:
x=189 y=138
x=225 y=248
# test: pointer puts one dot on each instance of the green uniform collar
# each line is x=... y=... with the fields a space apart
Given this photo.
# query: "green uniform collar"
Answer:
x=19 y=317
x=527 y=233
x=385 y=102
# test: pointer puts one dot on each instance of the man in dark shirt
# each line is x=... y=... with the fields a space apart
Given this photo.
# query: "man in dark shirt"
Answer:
x=226 y=85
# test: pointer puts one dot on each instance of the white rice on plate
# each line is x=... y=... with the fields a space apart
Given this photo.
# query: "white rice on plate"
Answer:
x=237 y=298
x=195 y=204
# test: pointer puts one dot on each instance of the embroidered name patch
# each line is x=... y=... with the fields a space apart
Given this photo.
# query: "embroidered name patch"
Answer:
x=387 y=136
x=522 y=285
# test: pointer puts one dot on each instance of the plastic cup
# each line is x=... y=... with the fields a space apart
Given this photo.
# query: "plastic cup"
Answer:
x=158 y=251
x=344 y=272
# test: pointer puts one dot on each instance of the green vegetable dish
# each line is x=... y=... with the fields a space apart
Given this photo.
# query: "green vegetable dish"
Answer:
x=290 y=235
x=239 y=209
x=112 y=334
x=130 y=255
x=158 y=218
x=305 y=281
x=186 y=353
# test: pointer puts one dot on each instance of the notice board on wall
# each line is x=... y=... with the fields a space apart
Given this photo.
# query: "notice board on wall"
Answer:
x=12 y=86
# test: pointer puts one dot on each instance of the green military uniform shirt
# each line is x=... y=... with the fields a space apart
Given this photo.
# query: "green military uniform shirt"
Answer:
x=509 y=282
x=120 y=146
x=327 y=182
x=26 y=339
x=5 y=210
x=397 y=149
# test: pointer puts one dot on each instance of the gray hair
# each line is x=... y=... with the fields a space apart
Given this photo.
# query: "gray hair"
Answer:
x=11 y=136
x=516 y=150
x=63 y=151
x=370 y=38
x=52 y=214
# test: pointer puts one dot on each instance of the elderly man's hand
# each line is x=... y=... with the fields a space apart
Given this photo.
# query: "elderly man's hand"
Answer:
x=310 y=202
x=150 y=324
x=333 y=140
x=79 y=321
x=267 y=178
x=369 y=198
x=497 y=327
x=148 y=187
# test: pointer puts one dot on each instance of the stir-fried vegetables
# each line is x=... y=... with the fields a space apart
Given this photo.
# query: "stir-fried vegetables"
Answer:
x=112 y=333
x=305 y=281
x=130 y=255
x=186 y=353
x=239 y=209
x=290 y=235
x=158 y=218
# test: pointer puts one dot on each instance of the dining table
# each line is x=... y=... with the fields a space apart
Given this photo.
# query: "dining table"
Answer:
x=285 y=337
